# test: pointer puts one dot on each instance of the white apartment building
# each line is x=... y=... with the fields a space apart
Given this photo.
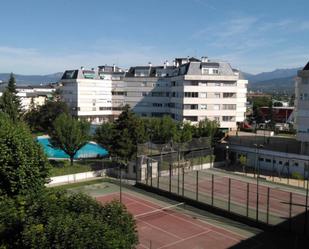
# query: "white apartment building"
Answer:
x=88 y=93
x=36 y=95
x=302 y=108
x=189 y=90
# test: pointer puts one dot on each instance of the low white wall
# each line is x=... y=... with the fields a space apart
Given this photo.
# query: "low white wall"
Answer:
x=75 y=177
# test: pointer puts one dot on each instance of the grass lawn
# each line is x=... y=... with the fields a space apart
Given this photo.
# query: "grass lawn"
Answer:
x=65 y=168
x=79 y=184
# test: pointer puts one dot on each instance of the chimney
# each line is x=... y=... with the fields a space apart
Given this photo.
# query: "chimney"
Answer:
x=114 y=68
x=167 y=63
x=82 y=68
x=204 y=59
x=164 y=65
x=174 y=63
x=149 y=63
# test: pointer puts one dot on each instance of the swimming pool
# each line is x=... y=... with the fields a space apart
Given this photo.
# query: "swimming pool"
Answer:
x=90 y=150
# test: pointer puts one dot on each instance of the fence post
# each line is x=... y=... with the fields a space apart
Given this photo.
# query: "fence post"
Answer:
x=151 y=173
x=178 y=173
x=306 y=206
x=212 y=189
x=197 y=185
x=146 y=174
x=267 y=211
x=170 y=178
x=247 y=207
x=183 y=181
x=229 y=196
x=290 y=212
x=158 y=175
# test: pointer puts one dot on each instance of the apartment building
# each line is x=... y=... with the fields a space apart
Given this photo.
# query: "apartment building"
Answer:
x=92 y=94
x=35 y=95
x=302 y=108
x=190 y=90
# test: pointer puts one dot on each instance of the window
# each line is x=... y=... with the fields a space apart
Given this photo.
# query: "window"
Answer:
x=217 y=95
x=216 y=107
x=215 y=71
x=217 y=84
x=228 y=118
x=229 y=95
x=194 y=83
x=205 y=71
x=190 y=107
x=157 y=104
x=280 y=162
x=261 y=159
x=296 y=164
x=202 y=83
x=105 y=108
x=217 y=118
x=228 y=107
x=144 y=94
x=191 y=94
x=157 y=94
x=203 y=107
x=267 y=160
x=190 y=118
x=203 y=95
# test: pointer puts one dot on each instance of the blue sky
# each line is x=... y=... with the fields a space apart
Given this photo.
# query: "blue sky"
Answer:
x=44 y=36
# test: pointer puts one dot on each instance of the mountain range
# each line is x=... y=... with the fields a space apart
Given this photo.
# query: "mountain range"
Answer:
x=32 y=79
x=279 y=80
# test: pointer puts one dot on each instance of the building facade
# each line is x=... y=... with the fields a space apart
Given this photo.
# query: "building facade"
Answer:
x=89 y=93
x=302 y=108
x=189 y=90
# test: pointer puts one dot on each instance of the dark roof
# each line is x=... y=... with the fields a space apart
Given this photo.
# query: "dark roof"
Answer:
x=306 y=67
x=210 y=64
x=193 y=59
x=70 y=74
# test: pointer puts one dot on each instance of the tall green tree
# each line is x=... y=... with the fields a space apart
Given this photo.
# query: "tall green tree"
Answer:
x=23 y=166
x=69 y=134
x=10 y=102
x=42 y=117
x=105 y=135
x=52 y=219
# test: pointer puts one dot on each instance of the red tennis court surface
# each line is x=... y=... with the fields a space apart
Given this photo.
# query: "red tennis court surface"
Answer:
x=172 y=229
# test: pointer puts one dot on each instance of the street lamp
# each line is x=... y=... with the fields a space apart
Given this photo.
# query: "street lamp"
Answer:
x=257 y=167
x=226 y=156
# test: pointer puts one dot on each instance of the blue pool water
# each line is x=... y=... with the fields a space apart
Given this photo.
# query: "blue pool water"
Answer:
x=90 y=150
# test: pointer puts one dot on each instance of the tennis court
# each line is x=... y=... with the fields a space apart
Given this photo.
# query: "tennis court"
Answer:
x=267 y=204
x=165 y=226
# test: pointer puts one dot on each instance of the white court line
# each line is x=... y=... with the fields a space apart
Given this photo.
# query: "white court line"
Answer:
x=182 y=240
x=227 y=236
x=143 y=246
x=162 y=230
x=200 y=226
